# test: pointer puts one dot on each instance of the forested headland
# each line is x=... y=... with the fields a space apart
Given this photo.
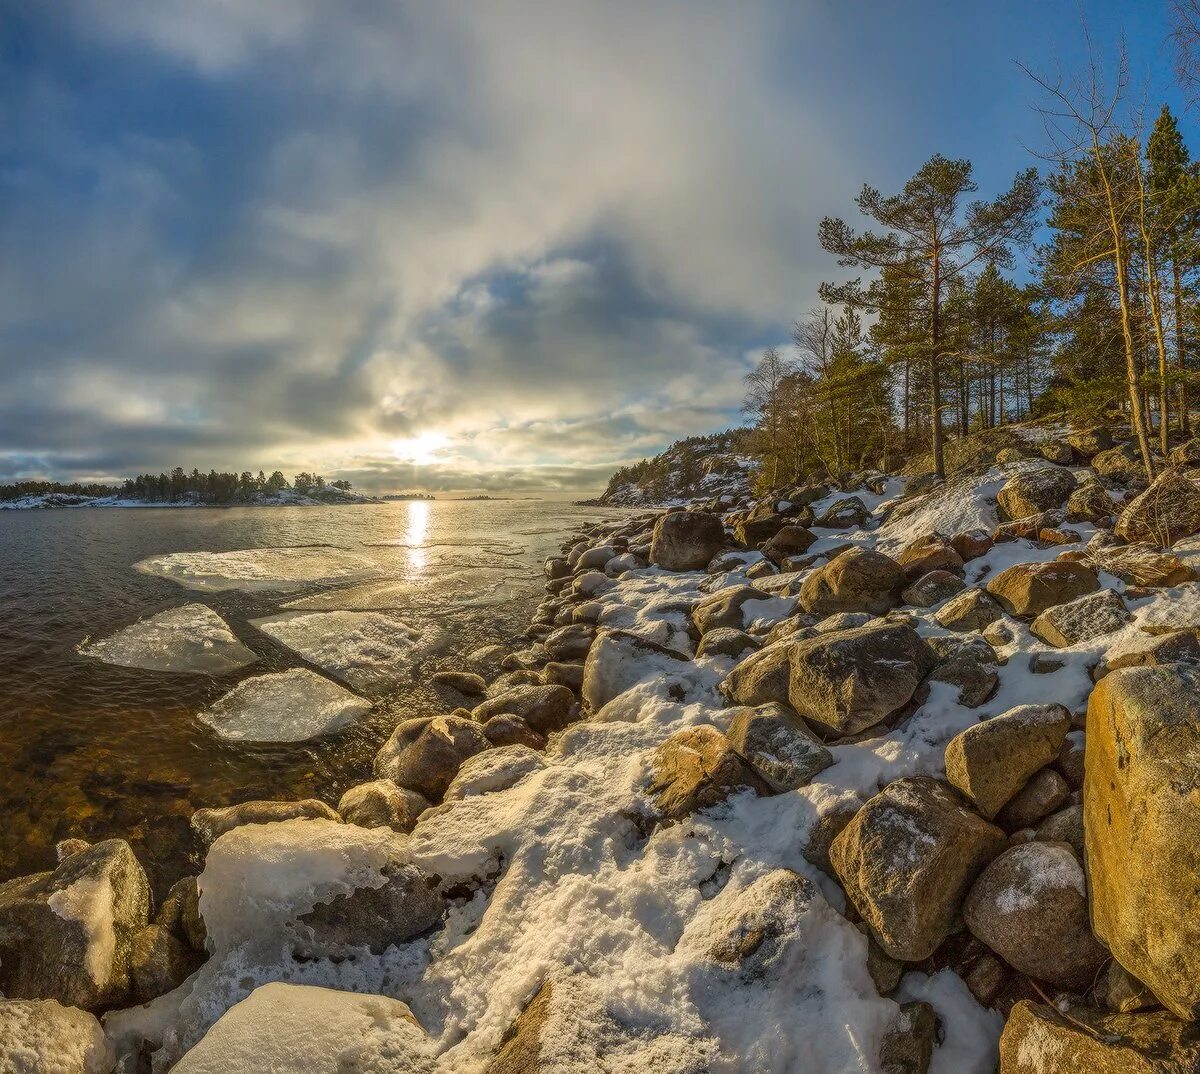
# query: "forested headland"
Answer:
x=179 y=486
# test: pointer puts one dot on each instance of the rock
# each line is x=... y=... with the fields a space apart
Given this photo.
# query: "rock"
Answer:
x=557 y=567
x=1056 y=451
x=831 y=624
x=854 y=679
x=764 y=568
x=907 y=1045
x=1030 y=907
x=41 y=1036
x=975 y=680
x=570 y=642
x=64 y=848
x=1181 y=647
x=1142 y=827
x=686 y=540
x=846 y=513
x=618 y=661
x=858 y=580
x=544 y=708
x=825 y=829
x=992 y=760
x=557 y=673
x=932 y=588
x=1008 y=455
x=1028 y=589
x=1041 y=796
x=788 y=541
x=726 y=642
x=1090 y=442
x=972 y=609
x=930 y=553
x=907 y=859
x=509 y=730
x=1138 y=564
x=1040 y=488
x=724 y=608
x=493 y=770
x=465 y=682
x=885 y=971
x=1087 y=617
x=382 y=804
x=208 y=824
x=1120 y=464
x=302 y=1029
x=1167 y=511
x=778 y=745
x=521 y=1046
x=180 y=913
x=68 y=934
x=1090 y=502
x=971 y=544
x=985 y=978
x=1040 y=1039
x=760 y=678
x=1065 y=826
x=595 y=559
x=1120 y=991
x=697 y=768
x=160 y=962
x=424 y=754
x=1186 y=454
x=1070 y=759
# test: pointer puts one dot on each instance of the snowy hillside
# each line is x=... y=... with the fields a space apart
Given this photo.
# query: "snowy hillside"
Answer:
x=698 y=468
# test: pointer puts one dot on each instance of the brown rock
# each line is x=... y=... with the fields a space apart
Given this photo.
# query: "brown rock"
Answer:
x=1084 y=619
x=1028 y=589
x=697 y=768
x=1166 y=512
x=858 y=580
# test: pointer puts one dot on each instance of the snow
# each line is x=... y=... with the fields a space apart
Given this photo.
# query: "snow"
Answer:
x=89 y=902
x=257 y=569
x=288 y=706
x=1041 y=867
x=305 y=1030
x=972 y=1033
x=367 y=650
x=955 y=507
x=41 y=1036
x=191 y=638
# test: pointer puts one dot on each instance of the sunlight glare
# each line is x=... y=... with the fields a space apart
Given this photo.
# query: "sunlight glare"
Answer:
x=420 y=450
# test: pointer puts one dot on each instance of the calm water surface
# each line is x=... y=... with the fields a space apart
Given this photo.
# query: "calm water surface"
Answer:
x=93 y=750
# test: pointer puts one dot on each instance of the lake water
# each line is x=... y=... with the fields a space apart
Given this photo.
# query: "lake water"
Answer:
x=91 y=750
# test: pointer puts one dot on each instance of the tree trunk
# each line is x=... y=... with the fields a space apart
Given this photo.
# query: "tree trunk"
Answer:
x=935 y=383
x=1180 y=350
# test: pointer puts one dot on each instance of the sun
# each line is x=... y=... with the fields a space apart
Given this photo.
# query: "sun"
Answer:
x=420 y=450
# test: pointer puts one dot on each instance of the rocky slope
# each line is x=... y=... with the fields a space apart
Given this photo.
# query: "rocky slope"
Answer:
x=699 y=467
x=900 y=778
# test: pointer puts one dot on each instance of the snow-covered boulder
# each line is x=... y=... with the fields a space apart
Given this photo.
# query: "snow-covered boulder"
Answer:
x=301 y=1029
x=618 y=660
x=1088 y=617
x=211 y=823
x=778 y=745
x=1036 y=489
x=425 y=753
x=494 y=770
x=68 y=935
x=858 y=580
x=41 y=1036
x=698 y=768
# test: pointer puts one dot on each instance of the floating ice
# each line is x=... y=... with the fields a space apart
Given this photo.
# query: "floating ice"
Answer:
x=368 y=650
x=253 y=569
x=192 y=638
x=289 y=706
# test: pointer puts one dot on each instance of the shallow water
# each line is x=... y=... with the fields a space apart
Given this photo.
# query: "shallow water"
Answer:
x=94 y=750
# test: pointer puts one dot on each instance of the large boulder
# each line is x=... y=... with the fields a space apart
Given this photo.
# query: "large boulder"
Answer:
x=1040 y=488
x=992 y=760
x=424 y=754
x=778 y=745
x=1030 y=907
x=1138 y=563
x=1090 y=442
x=1028 y=589
x=68 y=934
x=1142 y=826
x=302 y=1029
x=972 y=609
x=843 y=514
x=724 y=608
x=382 y=804
x=929 y=553
x=1091 y=502
x=1083 y=619
x=619 y=660
x=1166 y=512
x=697 y=768
x=1041 y=1039
x=544 y=708
x=907 y=860
x=761 y=677
x=1120 y=464
x=686 y=540
x=932 y=588
x=858 y=580
x=853 y=679
x=160 y=962
x=494 y=770
x=789 y=541
x=41 y=1036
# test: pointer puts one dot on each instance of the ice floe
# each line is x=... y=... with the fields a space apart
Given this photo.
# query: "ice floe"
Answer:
x=253 y=569
x=191 y=638
x=288 y=706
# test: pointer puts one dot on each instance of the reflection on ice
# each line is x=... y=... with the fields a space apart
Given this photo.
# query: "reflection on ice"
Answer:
x=253 y=569
x=286 y=707
x=192 y=638
x=368 y=650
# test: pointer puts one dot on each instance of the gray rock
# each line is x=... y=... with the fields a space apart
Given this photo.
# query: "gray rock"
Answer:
x=778 y=745
x=1037 y=489
x=160 y=962
x=760 y=678
x=724 y=608
x=465 y=682
x=424 y=754
x=697 y=768
x=726 y=642
x=858 y=580
x=1089 y=617
x=971 y=609
x=544 y=708
x=686 y=540
x=1045 y=792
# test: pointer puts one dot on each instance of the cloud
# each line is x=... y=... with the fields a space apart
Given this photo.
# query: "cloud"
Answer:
x=291 y=232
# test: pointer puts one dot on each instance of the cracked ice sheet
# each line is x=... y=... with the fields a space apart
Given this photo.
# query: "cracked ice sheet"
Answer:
x=189 y=639
x=368 y=650
x=255 y=569
x=289 y=706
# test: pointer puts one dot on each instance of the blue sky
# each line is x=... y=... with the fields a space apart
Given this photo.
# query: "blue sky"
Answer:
x=502 y=245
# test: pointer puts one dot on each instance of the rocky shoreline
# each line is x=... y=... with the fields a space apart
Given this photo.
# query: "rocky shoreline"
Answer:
x=895 y=777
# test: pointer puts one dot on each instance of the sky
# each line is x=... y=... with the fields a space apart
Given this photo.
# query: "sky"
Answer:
x=501 y=245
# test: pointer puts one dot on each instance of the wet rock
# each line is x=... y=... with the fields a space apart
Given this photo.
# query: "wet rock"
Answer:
x=160 y=962
x=382 y=804
x=1045 y=792
x=972 y=609
x=1142 y=827
x=180 y=913
x=1028 y=589
x=465 y=682
x=67 y=935
x=544 y=708
x=724 y=608
x=1088 y=617
x=41 y=1036
x=858 y=580
x=697 y=768
x=1030 y=907
x=992 y=760
x=1040 y=1039
x=508 y=730
x=726 y=642
x=1166 y=512
x=425 y=753
x=778 y=745
x=907 y=859
x=686 y=540
x=907 y=1045
x=208 y=824
x=853 y=679
x=932 y=588
x=1037 y=489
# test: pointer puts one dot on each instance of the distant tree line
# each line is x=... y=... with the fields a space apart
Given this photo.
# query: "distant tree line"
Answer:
x=179 y=485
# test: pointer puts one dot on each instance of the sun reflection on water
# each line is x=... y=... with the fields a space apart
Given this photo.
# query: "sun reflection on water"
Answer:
x=416 y=535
